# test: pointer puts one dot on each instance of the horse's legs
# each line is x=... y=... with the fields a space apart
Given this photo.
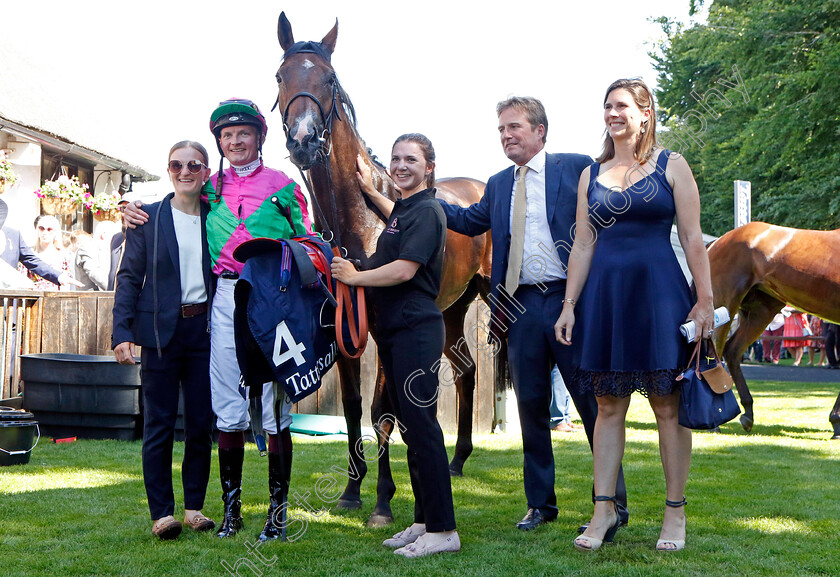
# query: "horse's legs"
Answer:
x=756 y=312
x=463 y=369
x=834 y=419
x=349 y=371
x=383 y=417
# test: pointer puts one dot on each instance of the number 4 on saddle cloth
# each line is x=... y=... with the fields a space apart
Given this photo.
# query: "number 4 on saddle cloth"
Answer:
x=284 y=313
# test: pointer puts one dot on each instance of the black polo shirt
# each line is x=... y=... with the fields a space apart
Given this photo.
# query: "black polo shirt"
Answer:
x=415 y=231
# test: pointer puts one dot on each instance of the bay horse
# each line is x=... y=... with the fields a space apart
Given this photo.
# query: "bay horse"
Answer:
x=319 y=122
x=757 y=269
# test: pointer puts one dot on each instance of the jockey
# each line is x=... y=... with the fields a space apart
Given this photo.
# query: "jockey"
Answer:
x=242 y=207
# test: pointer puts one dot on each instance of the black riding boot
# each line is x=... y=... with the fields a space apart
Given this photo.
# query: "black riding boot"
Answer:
x=279 y=473
x=230 y=472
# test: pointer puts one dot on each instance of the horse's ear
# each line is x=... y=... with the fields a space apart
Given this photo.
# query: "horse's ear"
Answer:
x=284 y=32
x=329 y=40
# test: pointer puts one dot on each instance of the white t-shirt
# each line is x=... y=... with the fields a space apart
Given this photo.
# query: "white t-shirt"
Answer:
x=188 y=233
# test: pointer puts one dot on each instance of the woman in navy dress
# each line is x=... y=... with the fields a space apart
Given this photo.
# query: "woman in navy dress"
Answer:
x=633 y=297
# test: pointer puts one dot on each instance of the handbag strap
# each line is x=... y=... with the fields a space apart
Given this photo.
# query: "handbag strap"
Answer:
x=695 y=358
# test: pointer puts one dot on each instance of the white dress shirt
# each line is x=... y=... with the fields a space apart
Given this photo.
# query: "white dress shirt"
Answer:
x=540 y=261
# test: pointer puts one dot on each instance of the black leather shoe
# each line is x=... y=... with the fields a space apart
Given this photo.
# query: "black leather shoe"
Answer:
x=533 y=519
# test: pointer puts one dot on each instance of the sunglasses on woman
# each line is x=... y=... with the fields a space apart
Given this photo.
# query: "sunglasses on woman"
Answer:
x=48 y=229
x=194 y=166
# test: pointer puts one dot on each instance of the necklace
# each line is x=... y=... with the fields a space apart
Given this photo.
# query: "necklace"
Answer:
x=191 y=217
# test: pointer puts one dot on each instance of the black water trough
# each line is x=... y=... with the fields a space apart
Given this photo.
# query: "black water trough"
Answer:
x=85 y=396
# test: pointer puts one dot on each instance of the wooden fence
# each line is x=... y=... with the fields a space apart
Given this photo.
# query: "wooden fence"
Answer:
x=81 y=322
x=52 y=322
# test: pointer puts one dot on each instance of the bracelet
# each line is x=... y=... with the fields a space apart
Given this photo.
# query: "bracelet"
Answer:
x=572 y=302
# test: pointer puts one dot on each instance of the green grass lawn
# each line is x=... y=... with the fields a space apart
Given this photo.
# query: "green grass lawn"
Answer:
x=764 y=503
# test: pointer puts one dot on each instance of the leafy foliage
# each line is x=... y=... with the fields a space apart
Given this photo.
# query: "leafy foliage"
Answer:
x=783 y=137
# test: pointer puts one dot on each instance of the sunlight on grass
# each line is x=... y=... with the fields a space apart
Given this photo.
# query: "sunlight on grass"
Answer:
x=64 y=478
x=775 y=525
x=767 y=495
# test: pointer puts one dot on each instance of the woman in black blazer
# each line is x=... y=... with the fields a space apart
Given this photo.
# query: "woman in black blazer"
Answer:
x=160 y=303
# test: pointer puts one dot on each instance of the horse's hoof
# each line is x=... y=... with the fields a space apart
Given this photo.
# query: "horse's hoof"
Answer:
x=456 y=470
x=349 y=504
x=746 y=423
x=376 y=521
x=836 y=437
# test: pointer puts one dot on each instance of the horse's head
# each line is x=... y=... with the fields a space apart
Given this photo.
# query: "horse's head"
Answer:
x=309 y=96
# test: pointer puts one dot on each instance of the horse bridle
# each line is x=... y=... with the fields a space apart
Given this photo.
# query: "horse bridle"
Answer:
x=326 y=119
x=358 y=329
x=325 y=140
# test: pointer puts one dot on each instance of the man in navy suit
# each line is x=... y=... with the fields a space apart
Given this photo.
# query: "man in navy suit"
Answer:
x=526 y=305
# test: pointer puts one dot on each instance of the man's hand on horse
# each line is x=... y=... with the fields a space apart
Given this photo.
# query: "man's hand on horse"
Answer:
x=133 y=215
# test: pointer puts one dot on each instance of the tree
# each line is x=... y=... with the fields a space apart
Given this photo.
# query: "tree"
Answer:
x=782 y=135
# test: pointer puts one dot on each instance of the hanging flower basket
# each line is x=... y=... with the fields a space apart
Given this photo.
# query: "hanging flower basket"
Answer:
x=8 y=178
x=61 y=196
x=113 y=215
x=105 y=206
x=53 y=206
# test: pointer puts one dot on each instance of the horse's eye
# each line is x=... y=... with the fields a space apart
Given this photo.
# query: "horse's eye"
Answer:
x=279 y=78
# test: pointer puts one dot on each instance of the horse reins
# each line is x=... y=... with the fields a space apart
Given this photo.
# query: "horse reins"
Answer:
x=357 y=325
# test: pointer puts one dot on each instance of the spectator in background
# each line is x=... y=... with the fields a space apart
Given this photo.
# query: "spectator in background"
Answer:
x=772 y=348
x=755 y=352
x=117 y=248
x=50 y=249
x=816 y=345
x=15 y=250
x=93 y=258
x=796 y=325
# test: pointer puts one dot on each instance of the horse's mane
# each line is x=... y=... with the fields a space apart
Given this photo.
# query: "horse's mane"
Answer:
x=350 y=111
x=346 y=103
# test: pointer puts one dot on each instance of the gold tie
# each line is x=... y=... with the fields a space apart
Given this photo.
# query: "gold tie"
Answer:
x=517 y=233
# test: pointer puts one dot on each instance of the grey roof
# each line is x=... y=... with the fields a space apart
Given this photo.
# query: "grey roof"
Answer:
x=76 y=121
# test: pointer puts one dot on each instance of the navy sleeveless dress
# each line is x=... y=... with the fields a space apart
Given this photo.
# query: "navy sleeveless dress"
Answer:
x=636 y=295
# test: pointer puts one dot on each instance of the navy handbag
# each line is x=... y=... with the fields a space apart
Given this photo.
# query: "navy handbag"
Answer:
x=706 y=397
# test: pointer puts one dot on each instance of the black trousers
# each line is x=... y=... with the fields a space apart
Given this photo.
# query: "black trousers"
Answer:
x=185 y=361
x=410 y=341
x=533 y=350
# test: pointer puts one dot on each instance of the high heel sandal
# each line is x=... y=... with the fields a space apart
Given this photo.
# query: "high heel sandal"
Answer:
x=678 y=544
x=587 y=543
